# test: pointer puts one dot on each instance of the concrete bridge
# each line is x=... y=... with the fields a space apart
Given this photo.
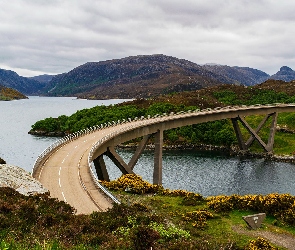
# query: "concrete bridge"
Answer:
x=65 y=167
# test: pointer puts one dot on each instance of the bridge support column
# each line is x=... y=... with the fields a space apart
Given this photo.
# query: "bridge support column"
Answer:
x=139 y=151
x=157 y=175
x=101 y=169
x=254 y=133
x=118 y=161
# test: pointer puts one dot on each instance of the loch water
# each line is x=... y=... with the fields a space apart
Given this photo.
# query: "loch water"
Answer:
x=207 y=173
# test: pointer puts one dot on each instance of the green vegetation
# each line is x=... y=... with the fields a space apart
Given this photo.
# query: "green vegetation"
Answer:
x=215 y=133
x=157 y=217
x=8 y=94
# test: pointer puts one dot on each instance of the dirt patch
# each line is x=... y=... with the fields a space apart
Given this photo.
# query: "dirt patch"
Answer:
x=279 y=239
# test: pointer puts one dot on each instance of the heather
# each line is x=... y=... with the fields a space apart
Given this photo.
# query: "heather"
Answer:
x=149 y=216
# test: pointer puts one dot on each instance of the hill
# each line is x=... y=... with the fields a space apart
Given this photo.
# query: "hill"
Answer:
x=140 y=76
x=7 y=94
x=24 y=85
x=240 y=75
x=285 y=73
x=148 y=76
x=133 y=77
x=42 y=78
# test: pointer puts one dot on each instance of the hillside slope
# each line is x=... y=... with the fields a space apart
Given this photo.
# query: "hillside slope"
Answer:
x=7 y=94
x=240 y=75
x=285 y=73
x=133 y=77
x=24 y=85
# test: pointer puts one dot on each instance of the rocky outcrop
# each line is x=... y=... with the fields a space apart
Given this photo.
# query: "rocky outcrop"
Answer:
x=18 y=179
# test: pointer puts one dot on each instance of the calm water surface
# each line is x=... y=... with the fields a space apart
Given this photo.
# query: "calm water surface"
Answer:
x=19 y=148
x=202 y=172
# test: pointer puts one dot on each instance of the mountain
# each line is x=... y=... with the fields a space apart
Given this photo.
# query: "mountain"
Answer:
x=285 y=73
x=42 y=78
x=24 y=85
x=138 y=77
x=239 y=75
x=146 y=76
x=7 y=94
x=133 y=77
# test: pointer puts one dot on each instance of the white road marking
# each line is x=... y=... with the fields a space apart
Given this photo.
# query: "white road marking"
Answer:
x=59 y=182
x=64 y=196
x=59 y=171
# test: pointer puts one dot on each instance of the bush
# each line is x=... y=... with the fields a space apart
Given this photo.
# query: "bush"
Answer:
x=259 y=244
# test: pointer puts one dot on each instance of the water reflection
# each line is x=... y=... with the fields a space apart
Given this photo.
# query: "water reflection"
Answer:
x=214 y=174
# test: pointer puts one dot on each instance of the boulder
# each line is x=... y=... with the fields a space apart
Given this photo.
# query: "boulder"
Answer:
x=20 y=180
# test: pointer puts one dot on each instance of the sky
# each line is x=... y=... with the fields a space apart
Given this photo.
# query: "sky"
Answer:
x=54 y=36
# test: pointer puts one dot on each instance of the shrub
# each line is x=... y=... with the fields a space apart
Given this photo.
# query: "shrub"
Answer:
x=198 y=218
x=144 y=237
x=259 y=244
x=134 y=183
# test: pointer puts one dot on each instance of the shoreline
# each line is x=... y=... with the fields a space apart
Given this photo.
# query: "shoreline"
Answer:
x=229 y=151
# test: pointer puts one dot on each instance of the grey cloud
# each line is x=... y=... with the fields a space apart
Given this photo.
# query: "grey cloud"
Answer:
x=57 y=35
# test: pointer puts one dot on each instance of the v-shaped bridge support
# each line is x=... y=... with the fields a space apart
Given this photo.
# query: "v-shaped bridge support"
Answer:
x=254 y=133
x=102 y=172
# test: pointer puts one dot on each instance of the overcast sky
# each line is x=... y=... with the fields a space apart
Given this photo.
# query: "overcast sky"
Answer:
x=55 y=36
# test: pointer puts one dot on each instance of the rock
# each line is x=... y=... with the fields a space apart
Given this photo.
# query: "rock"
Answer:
x=20 y=180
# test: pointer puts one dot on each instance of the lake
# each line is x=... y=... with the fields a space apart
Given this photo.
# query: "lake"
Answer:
x=207 y=173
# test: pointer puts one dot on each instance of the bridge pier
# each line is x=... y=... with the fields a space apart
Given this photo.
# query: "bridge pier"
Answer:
x=157 y=175
x=101 y=170
x=254 y=133
x=100 y=166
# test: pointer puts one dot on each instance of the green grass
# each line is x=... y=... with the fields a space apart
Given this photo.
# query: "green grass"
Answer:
x=218 y=230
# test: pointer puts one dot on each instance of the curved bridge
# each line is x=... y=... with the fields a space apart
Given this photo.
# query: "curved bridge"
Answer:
x=65 y=167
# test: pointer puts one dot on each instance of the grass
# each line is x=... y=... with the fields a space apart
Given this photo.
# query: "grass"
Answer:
x=218 y=230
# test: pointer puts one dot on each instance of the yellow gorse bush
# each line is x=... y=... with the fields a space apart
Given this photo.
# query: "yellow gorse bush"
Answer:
x=198 y=218
x=282 y=206
x=134 y=183
x=137 y=185
x=259 y=244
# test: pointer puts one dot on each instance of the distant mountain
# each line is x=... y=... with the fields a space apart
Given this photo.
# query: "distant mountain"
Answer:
x=24 y=85
x=7 y=94
x=238 y=75
x=42 y=78
x=285 y=73
x=133 y=77
x=138 y=77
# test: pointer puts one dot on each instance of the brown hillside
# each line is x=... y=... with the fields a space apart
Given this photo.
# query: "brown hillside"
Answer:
x=205 y=98
x=10 y=94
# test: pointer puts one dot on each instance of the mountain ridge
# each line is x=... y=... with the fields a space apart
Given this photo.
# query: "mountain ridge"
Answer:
x=140 y=76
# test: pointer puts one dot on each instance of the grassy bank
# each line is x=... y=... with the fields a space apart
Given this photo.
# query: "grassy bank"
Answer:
x=149 y=216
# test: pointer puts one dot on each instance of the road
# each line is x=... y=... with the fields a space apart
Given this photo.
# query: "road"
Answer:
x=67 y=176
